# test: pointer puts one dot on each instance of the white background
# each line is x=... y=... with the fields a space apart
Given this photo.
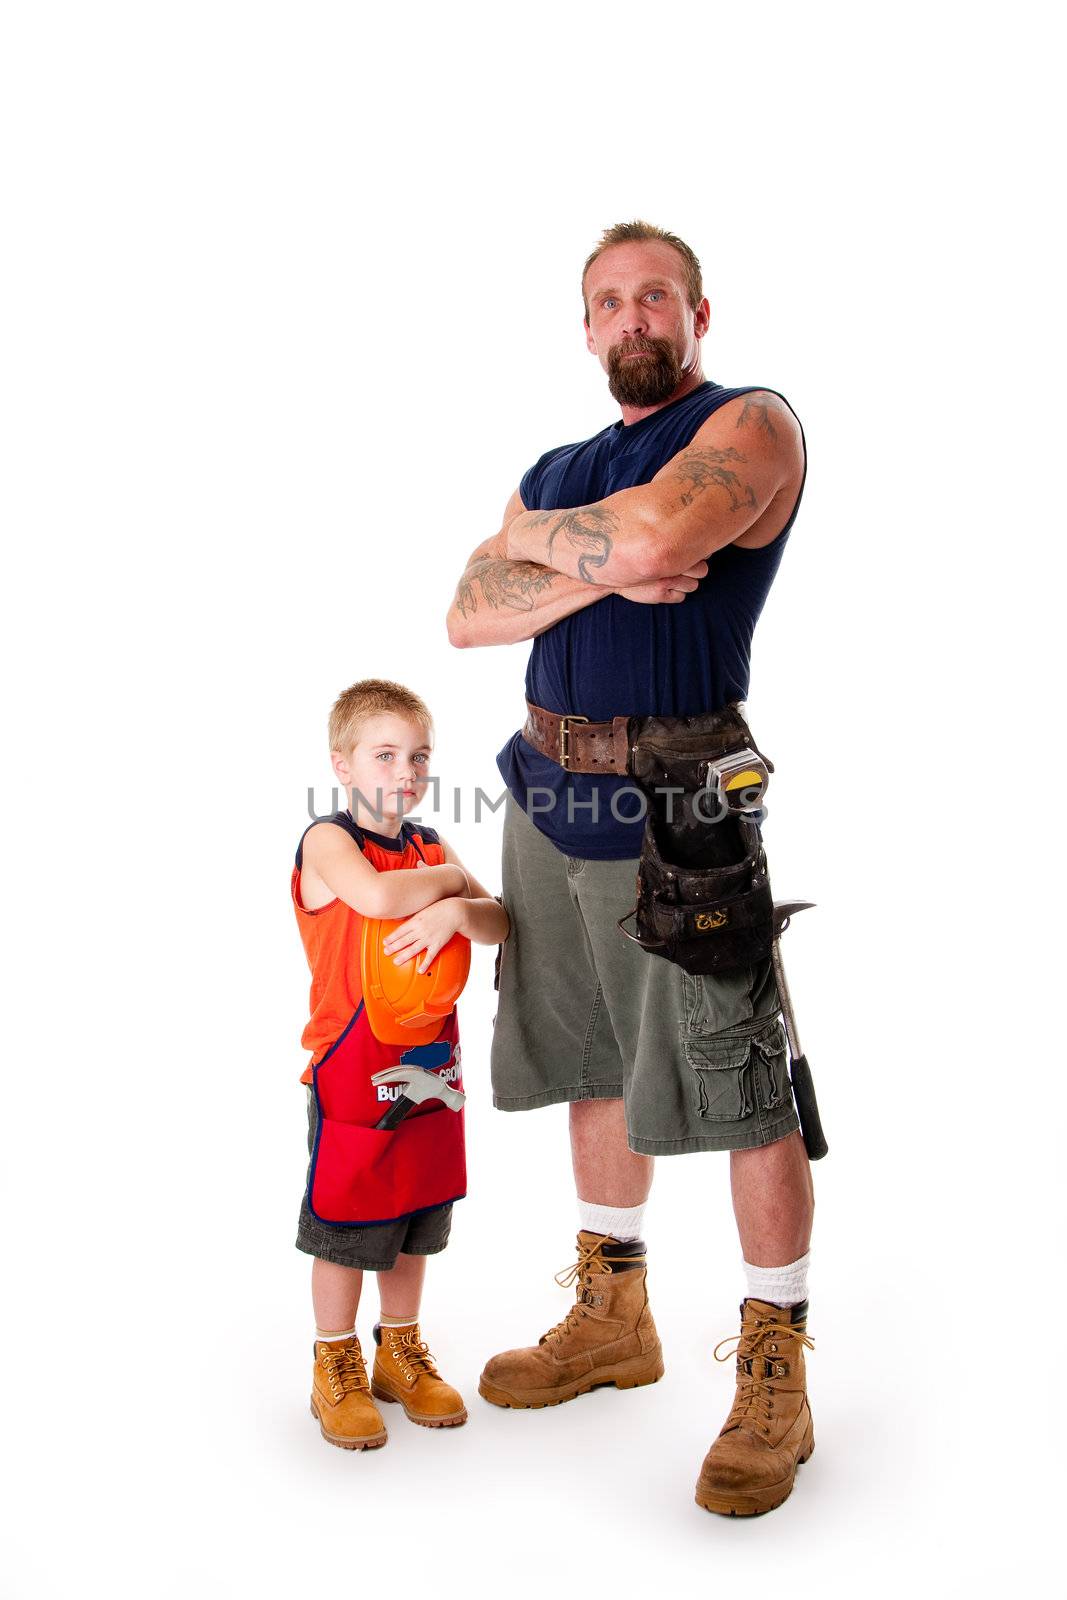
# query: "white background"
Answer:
x=292 y=301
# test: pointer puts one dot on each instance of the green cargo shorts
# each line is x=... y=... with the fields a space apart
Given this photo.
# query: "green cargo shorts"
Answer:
x=584 y=1014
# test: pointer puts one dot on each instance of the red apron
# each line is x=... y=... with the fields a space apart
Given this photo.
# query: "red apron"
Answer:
x=361 y=1175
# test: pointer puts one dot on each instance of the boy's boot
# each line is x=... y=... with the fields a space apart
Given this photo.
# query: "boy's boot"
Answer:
x=608 y=1335
x=340 y=1396
x=404 y=1370
x=751 y=1466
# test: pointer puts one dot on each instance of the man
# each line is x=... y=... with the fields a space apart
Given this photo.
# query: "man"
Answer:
x=638 y=562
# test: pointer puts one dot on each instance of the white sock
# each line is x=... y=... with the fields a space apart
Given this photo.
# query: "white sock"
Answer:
x=622 y=1222
x=397 y=1322
x=779 y=1286
x=332 y=1338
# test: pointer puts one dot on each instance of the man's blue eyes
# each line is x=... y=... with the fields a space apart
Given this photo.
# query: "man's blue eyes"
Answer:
x=654 y=294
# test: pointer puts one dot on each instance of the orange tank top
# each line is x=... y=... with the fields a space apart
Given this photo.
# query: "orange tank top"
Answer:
x=331 y=934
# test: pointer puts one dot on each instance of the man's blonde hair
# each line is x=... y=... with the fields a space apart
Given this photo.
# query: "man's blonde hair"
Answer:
x=638 y=232
x=372 y=697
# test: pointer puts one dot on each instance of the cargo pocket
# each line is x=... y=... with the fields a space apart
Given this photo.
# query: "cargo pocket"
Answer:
x=721 y=1069
x=772 y=1075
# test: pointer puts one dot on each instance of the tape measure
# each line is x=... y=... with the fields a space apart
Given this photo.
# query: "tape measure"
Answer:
x=739 y=780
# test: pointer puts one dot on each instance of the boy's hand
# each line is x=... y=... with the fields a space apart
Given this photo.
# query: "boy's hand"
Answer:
x=428 y=930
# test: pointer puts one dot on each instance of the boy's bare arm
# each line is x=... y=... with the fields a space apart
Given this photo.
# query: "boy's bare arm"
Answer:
x=484 y=919
x=335 y=857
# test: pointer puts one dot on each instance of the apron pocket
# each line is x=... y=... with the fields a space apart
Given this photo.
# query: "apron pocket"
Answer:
x=722 y=1079
x=366 y=1175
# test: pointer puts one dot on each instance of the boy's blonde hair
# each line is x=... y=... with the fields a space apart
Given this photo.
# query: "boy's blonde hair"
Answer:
x=371 y=697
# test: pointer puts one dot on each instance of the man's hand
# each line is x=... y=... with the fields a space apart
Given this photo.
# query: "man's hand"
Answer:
x=666 y=591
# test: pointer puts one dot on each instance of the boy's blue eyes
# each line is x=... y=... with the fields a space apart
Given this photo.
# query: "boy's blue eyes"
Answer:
x=387 y=755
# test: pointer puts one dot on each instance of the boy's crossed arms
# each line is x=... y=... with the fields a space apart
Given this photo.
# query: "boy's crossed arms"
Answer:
x=436 y=902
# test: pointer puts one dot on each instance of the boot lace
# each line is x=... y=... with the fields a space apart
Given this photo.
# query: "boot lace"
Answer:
x=590 y=1261
x=755 y=1352
x=345 y=1369
x=412 y=1355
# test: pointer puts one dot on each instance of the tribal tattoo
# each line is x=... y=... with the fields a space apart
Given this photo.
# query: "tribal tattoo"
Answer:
x=703 y=469
x=508 y=584
x=588 y=530
x=756 y=412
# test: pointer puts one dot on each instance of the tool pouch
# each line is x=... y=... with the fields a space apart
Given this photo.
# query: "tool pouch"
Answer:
x=703 y=892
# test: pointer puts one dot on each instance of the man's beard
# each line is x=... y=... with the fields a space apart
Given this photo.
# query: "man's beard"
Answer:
x=647 y=380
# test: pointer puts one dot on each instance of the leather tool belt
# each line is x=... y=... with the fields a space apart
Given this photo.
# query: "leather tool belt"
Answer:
x=703 y=892
x=576 y=744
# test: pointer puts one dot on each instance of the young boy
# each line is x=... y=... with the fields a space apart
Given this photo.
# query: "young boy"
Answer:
x=378 y=1201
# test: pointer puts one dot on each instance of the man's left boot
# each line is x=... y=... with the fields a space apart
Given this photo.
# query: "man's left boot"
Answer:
x=751 y=1466
x=607 y=1337
x=404 y=1370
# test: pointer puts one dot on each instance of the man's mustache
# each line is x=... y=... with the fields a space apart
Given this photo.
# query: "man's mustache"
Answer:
x=638 y=345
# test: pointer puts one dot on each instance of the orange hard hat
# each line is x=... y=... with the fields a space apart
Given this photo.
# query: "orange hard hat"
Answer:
x=403 y=1005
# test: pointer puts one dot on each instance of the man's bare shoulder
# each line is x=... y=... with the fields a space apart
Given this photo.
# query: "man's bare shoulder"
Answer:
x=755 y=437
x=758 y=425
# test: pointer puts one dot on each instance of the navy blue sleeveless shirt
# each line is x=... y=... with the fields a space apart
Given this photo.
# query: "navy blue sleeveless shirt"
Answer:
x=620 y=658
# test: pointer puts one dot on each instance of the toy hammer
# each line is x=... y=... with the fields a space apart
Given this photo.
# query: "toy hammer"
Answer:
x=419 y=1085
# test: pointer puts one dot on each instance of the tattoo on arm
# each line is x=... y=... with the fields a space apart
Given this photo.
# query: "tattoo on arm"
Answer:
x=508 y=584
x=587 y=530
x=756 y=412
x=698 y=470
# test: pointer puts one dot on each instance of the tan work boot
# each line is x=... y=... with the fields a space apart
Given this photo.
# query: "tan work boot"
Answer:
x=608 y=1335
x=340 y=1397
x=404 y=1370
x=751 y=1466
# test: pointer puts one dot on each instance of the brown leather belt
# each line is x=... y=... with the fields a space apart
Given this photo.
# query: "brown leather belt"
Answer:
x=575 y=743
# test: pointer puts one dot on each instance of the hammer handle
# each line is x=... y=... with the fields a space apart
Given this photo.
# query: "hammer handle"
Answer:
x=808 y=1109
x=396 y=1113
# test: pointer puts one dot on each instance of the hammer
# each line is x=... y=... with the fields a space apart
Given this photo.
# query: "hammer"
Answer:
x=419 y=1085
x=800 y=1073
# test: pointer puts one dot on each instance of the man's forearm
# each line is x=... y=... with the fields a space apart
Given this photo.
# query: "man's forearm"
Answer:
x=703 y=499
x=499 y=601
x=594 y=545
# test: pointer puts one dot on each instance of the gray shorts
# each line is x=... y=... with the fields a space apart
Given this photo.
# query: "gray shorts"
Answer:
x=372 y=1247
x=584 y=1014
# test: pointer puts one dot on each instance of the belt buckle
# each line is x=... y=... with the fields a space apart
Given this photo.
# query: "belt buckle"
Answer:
x=564 y=738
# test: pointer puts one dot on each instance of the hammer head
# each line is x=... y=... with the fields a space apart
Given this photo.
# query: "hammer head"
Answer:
x=784 y=910
x=419 y=1085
